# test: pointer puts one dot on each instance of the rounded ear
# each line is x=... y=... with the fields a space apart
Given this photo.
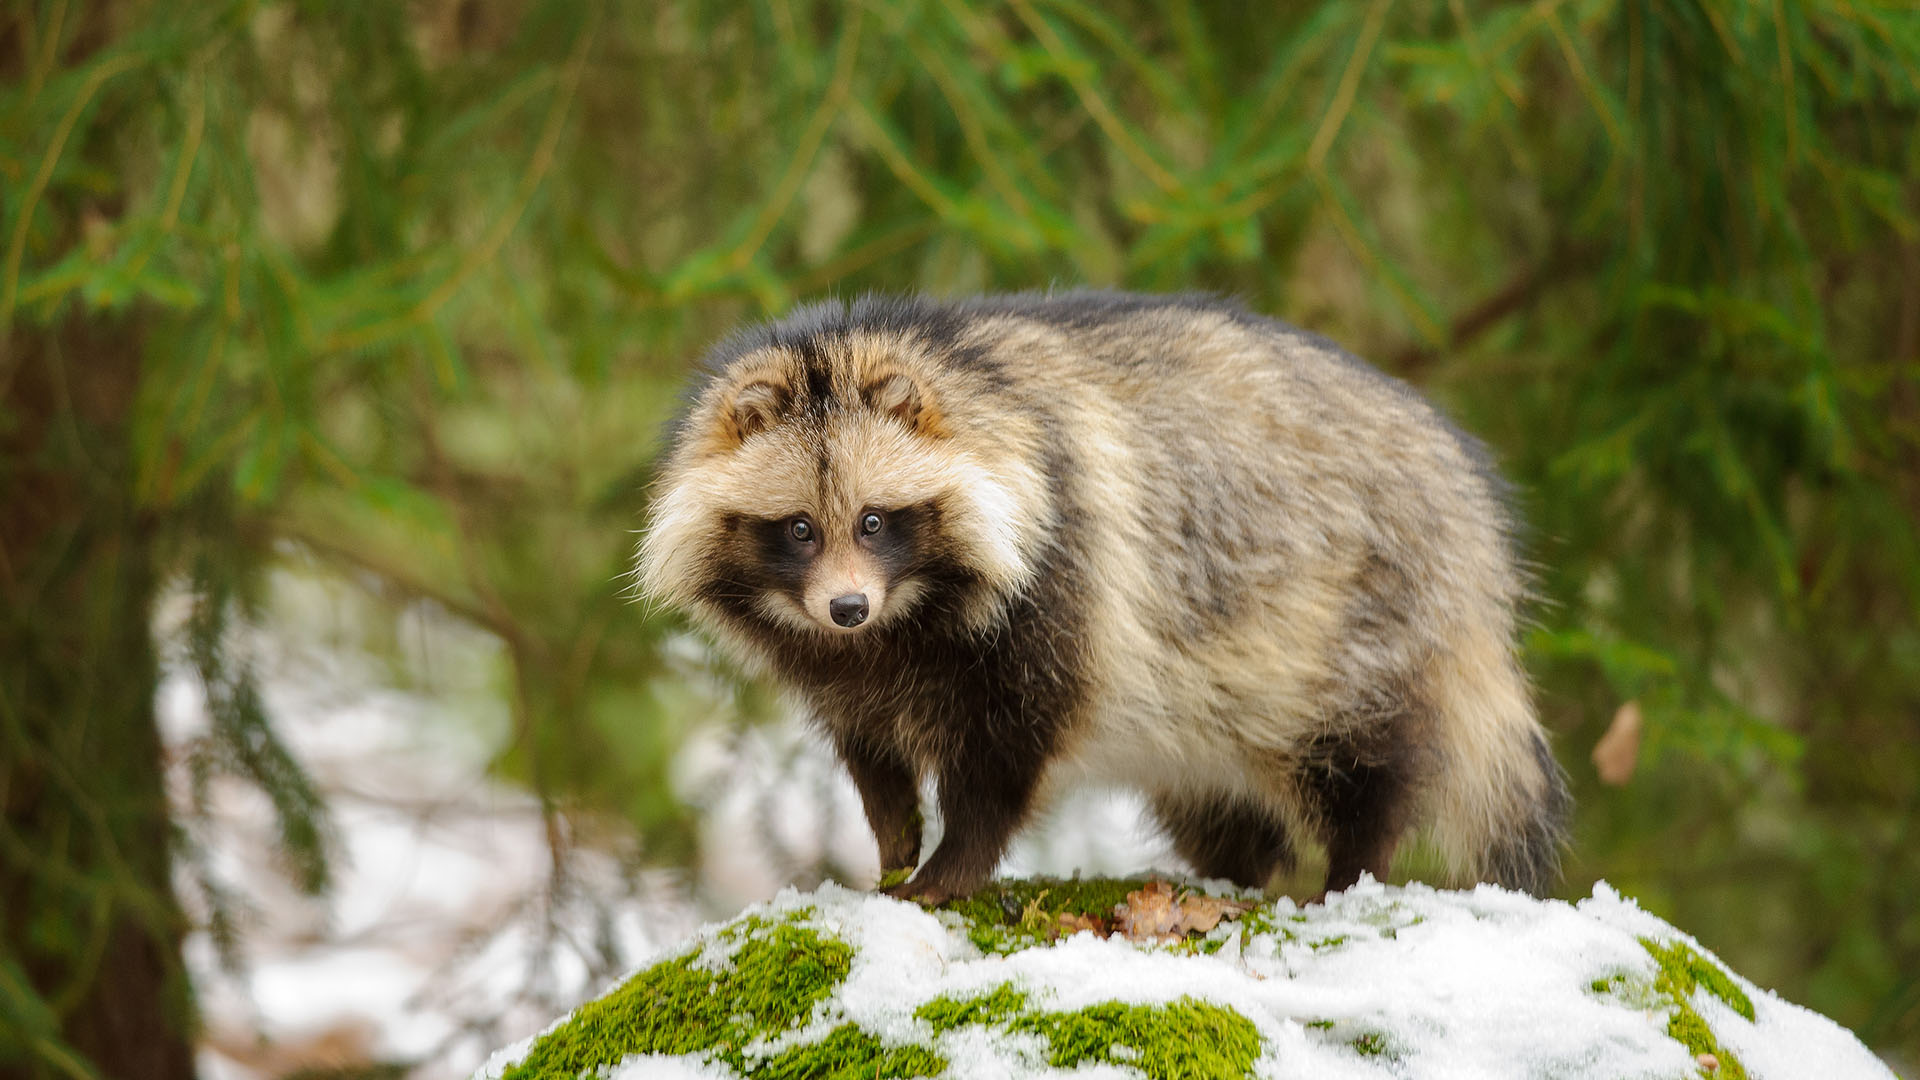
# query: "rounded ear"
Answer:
x=899 y=396
x=755 y=407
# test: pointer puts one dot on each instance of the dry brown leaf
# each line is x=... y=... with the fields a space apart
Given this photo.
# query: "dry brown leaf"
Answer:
x=1618 y=751
x=1072 y=922
x=1149 y=913
x=1156 y=913
x=1203 y=913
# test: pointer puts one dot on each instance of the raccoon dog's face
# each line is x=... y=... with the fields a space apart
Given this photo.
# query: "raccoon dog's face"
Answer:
x=823 y=492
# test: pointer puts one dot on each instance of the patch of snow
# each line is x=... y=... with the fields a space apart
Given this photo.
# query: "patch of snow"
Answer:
x=1785 y=1039
x=656 y=1067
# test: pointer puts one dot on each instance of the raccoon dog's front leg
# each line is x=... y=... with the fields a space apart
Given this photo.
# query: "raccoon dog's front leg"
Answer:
x=891 y=794
x=984 y=796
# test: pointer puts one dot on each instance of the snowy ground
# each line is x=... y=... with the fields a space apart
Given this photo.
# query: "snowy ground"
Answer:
x=1382 y=981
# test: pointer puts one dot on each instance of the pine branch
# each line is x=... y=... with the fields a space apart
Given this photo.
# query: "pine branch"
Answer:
x=1518 y=295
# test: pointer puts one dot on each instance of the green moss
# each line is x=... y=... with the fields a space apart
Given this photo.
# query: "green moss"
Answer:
x=1260 y=921
x=1206 y=946
x=1333 y=942
x=995 y=1008
x=1690 y=1030
x=1681 y=970
x=1007 y=916
x=776 y=975
x=1632 y=990
x=1684 y=968
x=848 y=1053
x=1353 y=1036
x=1184 y=1040
x=1263 y=920
x=1372 y=1044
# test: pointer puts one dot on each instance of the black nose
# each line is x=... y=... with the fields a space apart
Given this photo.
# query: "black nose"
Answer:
x=849 y=610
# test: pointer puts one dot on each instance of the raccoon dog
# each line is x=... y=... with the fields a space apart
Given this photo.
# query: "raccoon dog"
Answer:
x=1019 y=542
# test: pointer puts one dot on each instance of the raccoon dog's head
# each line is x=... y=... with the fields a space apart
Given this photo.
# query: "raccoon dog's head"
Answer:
x=839 y=486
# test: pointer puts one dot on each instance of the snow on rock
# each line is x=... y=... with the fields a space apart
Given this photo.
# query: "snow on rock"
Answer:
x=1381 y=981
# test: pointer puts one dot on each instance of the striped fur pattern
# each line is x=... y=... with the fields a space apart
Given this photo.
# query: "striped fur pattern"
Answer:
x=1105 y=538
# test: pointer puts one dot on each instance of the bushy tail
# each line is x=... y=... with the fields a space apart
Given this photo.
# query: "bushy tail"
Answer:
x=1500 y=808
x=1525 y=853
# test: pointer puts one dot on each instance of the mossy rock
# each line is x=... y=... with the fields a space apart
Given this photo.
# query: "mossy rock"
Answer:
x=1378 y=982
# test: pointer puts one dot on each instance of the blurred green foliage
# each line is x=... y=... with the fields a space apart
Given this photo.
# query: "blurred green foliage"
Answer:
x=412 y=288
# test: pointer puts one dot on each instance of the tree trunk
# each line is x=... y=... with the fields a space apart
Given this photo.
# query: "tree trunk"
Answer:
x=87 y=910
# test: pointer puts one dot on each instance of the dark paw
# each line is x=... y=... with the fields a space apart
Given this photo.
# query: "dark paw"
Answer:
x=925 y=892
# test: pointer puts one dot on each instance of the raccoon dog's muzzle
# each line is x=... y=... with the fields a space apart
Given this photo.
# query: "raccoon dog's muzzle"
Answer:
x=847 y=598
x=850 y=610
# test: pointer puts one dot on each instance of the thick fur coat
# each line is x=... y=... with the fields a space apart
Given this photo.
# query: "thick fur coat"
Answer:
x=1019 y=542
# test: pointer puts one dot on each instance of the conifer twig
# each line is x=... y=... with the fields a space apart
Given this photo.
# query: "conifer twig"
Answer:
x=809 y=146
x=1095 y=104
x=1336 y=114
x=40 y=59
x=1520 y=292
x=496 y=235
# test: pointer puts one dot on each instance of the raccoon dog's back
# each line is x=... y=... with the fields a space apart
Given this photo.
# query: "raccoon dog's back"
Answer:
x=1014 y=542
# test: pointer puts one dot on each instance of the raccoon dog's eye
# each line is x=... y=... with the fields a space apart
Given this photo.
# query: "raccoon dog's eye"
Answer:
x=802 y=529
x=870 y=524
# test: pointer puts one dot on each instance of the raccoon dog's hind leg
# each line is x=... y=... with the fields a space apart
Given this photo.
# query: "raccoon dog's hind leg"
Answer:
x=1360 y=781
x=1226 y=837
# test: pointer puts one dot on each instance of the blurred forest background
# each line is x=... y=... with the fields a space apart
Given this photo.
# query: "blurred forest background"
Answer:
x=387 y=302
